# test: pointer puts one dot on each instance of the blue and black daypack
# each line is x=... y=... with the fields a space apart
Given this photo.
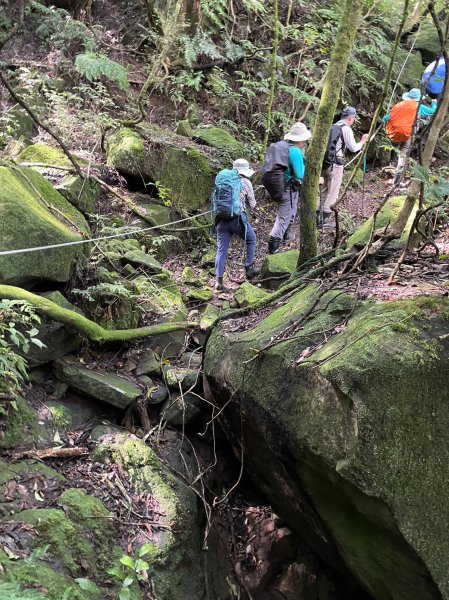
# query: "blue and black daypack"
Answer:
x=330 y=157
x=225 y=198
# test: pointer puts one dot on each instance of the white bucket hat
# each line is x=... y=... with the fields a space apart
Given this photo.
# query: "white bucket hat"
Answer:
x=242 y=167
x=298 y=133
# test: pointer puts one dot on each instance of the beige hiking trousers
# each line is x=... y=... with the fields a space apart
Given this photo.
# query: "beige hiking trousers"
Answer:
x=331 y=187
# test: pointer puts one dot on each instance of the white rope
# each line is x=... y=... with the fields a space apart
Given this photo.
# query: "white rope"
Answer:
x=99 y=239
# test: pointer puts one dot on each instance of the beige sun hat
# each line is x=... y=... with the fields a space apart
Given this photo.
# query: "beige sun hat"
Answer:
x=242 y=167
x=298 y=133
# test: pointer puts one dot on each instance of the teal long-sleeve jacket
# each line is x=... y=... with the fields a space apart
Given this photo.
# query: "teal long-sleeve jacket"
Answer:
x=296 y=165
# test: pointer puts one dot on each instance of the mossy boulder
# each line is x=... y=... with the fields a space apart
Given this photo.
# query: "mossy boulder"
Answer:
x=82 y=193
x=199 y=295
x=177 y=559
x=184 y=128
x=145 y=261
x=413 y=68
x=427 y=40
x=42 y=154
x=248 y=293
x=33 y=213
x=126 y=151
x=19 y=424
x=180 y=377
x=279 y=267
x=220 y=138
x=185 y=173
x=385 y=217
x=109 y=388
x=349 y=441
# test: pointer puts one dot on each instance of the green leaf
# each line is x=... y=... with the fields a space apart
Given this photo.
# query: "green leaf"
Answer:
x=141 y=565
x=145 y=549
x=124 y=594
x=128 y=562
x=86 y=584
x=128 y=581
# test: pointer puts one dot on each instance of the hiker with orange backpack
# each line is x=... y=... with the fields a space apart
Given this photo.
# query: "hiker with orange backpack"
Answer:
x=399 y=124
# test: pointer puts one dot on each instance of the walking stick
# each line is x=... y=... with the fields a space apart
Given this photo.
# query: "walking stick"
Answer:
x=363 y=186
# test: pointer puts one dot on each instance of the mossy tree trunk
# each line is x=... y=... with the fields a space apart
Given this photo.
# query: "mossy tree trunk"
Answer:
x=86 y=327
x=352 y=11
x=274 y=66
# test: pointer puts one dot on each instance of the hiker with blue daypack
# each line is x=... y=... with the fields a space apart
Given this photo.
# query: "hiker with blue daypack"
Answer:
x=282 y=175
x=232 y=194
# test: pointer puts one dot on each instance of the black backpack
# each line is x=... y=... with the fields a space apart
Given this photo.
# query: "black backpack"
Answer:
x=273 y=169
x=335 y=135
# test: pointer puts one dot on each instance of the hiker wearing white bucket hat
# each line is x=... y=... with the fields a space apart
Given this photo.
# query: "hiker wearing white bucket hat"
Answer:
x=282 y=175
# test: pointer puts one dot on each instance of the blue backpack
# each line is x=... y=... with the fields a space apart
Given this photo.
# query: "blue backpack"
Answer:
x=226 y=195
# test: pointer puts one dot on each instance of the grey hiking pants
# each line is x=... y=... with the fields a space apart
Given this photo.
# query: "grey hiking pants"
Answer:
x=286 y=213
x=331 y=187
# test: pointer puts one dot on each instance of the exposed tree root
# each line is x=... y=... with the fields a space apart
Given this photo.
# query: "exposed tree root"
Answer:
x=86 y=327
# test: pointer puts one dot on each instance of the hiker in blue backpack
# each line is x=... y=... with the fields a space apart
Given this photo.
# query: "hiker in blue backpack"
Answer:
x=282 y=175
x=232 y=192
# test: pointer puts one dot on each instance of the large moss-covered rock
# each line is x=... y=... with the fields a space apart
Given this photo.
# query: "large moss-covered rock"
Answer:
x=185 y=173
x=248 y=293
x=33 y=213
x=220 y=138
x=115 y=390
x=279 y=267
x=126 y=151
x=177 y=559
x=413 y=68
x=349 y=442
x=385 y=217
x=427 y=40
x=42 y=154
x=83 y=194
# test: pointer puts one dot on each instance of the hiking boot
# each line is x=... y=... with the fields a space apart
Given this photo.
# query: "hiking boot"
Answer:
x=252 y=271
x=273 y=245
x=397 y=177
x=219 y=287
x=289 y=236
x=322 y=219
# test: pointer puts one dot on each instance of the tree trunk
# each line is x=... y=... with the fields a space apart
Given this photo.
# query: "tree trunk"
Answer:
x=274 y=66
x=352 y=11
x=86 y=327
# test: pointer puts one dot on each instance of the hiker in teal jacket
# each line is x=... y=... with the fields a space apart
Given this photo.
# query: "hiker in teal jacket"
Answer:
x=288 y=206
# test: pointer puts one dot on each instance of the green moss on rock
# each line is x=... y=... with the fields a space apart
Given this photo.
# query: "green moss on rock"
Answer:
x=126 y=151
x=25 y=221
x=248 y=293
x=177 y=562
x=184 y=172
x=363 y=420
x=386 y=216
x=220 y=138
x=279 y=265
x=43 y=154
x=18 y=426
x=82 y=193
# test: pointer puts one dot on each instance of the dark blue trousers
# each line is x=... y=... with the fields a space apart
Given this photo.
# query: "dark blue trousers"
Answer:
x=225 y=231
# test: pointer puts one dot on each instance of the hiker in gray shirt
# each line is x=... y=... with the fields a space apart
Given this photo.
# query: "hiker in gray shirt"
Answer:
x=341 y=139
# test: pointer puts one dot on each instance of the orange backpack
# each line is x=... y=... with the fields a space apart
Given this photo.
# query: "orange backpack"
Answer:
x=400 y=125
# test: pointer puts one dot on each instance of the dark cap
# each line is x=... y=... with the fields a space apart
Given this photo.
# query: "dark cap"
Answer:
x=348 y=111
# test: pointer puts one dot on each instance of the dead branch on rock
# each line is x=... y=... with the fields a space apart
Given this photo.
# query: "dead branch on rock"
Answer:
x=45 y=453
